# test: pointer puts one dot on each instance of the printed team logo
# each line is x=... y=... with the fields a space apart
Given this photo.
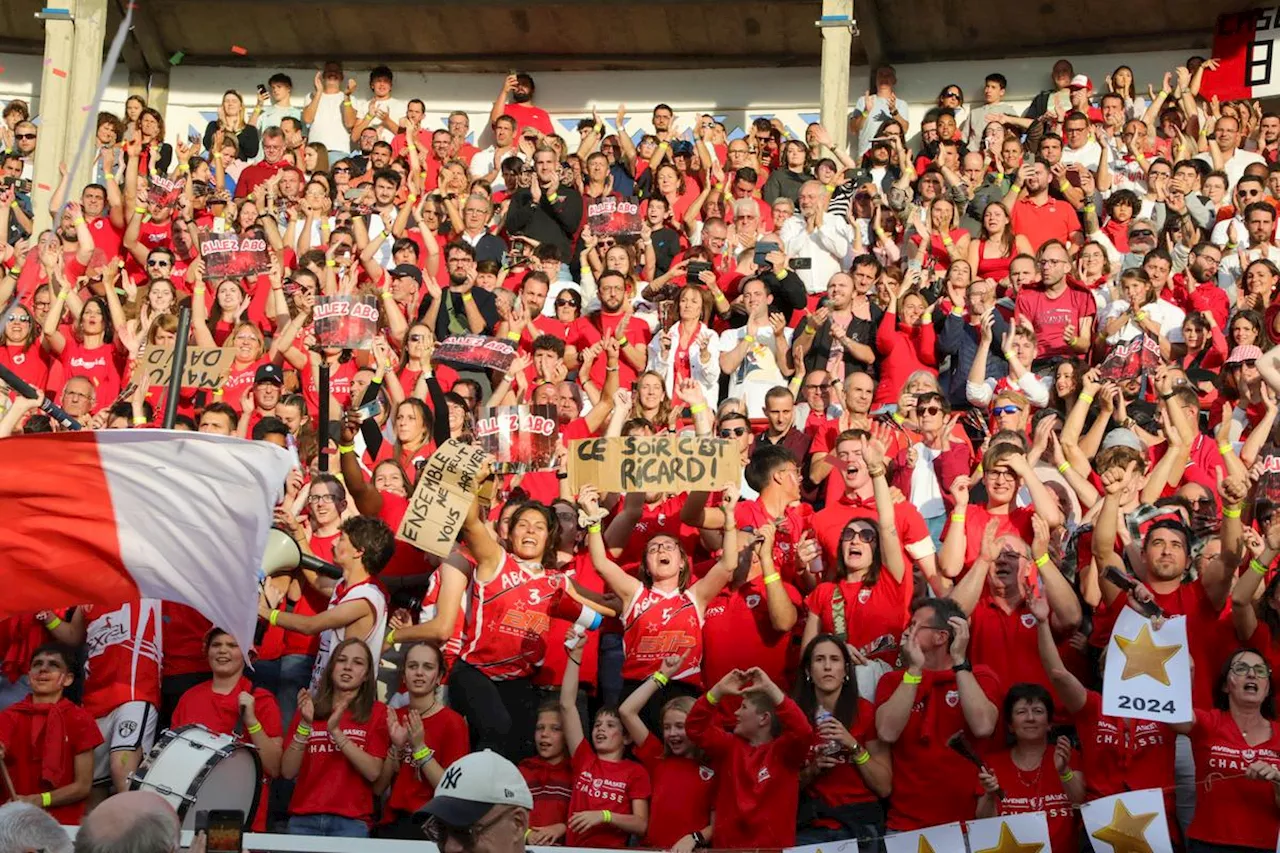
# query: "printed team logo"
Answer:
x=763 y=775
x=753 y=601
x=1249 y=754
x=126 y=728
x=642 y=526
x=864 y=596
x=1028 y=621
x=705 y=773
x=662 y=519
x=595 y=783
x=953 y=698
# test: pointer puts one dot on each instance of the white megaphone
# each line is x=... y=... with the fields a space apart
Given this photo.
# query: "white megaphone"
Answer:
x=283 y=555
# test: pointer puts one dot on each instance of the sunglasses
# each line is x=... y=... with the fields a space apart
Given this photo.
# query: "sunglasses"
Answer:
x=1142 y=232
x=933 y=410
x=565 y=303
x=19 y=318
x=733 y=432
x=417 y=339
x=1248 y=362
x=955 y=95
x=862 y=534
x=341 y=168
x=1006 y=410
x=24 y=136
x=159 y=262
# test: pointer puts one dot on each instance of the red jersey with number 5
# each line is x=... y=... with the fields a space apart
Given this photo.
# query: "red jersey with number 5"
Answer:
x=659 y=624
x=123 y=650
x=508 y=618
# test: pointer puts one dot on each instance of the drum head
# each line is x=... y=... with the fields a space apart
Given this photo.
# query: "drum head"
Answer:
x=199 y=770
x=232 y=782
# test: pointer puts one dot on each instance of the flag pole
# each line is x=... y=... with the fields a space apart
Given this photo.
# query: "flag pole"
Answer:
x=324 y=414
x=179 y=365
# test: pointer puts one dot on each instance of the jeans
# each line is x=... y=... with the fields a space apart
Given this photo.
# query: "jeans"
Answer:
x=328 y=825
x=1184 y=776
x=284 y=677
x=936 y=525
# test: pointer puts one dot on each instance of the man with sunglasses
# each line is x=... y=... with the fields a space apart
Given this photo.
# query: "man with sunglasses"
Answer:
x=481 y=805
x=1232 y=231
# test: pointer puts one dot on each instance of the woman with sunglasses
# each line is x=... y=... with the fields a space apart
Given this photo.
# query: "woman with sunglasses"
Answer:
x=952 y=98
x=1236 y=747
x=337 y=742
x=662 y=603
x=22 y=352
x=92 y=350
x=873 y=589
x=1241 y=397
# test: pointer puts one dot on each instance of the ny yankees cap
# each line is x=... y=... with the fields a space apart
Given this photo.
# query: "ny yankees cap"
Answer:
x=472 y=785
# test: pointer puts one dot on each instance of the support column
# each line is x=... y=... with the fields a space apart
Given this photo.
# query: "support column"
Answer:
x=73 y=52
x=158 y=92
x=837 y=42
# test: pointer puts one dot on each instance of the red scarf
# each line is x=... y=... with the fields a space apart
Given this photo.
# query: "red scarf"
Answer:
x=47 y=729
x=935 y=684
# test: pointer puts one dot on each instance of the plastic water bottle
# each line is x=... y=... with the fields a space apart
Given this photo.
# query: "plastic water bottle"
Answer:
x=828 y=747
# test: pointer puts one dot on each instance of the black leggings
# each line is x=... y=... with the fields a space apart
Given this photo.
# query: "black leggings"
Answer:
x=500 y=714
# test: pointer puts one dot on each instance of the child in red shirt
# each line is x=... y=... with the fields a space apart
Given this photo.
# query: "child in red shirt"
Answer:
x=759 y=771
x=684 y=787
x=610 y=799
x=550 y=779
x=426 y=738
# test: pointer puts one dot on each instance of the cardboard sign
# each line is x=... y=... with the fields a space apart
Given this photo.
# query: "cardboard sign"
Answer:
x=1134 y=820
x=442 y=498
x=1023 y=831
x=521 y=438
x=1131 y=359
x=165 y=193
x=660 y=463
x=1268 y=488
x=231 y=255
x=206 y=367
x=346 y=322
x=615 y=217
x=475 y=351
x=1148 y=674
x=947 y=838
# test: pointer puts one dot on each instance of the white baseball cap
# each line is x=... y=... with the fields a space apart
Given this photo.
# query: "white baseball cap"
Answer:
x=472 y=785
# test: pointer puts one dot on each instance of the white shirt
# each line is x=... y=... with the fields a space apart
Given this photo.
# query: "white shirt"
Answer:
x=877 y=114
x=1234 y=167
x=706 y=374
x=1087 y=156
x=758 y=372
x=828 y=249
x=482 y=164
x=395 y=108
x=1230 y=232
x=926 y=492
x=371 y=592
x=1168 y=315
x=327 y=127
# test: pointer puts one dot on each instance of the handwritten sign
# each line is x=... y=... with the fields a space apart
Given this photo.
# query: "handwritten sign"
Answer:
x=231 y=255
x=521 y=438
x=346 y=321
x=616 y=217
x=475 y=351
x=442 y=498
x=206 y=367
x=659 y=463
x=1148 y=673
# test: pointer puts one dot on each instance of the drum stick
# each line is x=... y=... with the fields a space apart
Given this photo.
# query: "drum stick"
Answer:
x=8 y=782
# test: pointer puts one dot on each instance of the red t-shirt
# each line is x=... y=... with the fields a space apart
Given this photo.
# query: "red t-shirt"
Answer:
x=219 y=712
x=102 y=364
x=662 y=519
x=843 y=784
x=551 y=785
x=759 y=786
x=869 y=611
x=1230 y=809
x=328 y=783
x=124 y=655
x=23 y=731
x=1121 y=754
x=1040 y=223
x=446 y=732
x=637 y=332
x=29 y=363
x=684 y=793
x=1038 y=790
x=932 y=783
x=829 y=524
x=659 y=624
x=184 y=631
x=508 y=620
x=527 y=115
x=1050 y=315
x=796 y=520
x=406 y=560
x=600 y=784
x=1006 y=642
x=1017 y=522
x=737 y=633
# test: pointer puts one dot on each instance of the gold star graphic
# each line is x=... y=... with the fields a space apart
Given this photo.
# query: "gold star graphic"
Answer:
x=924 y=846
x=1143 y=657
x=1127 y=833
x=1009 y=843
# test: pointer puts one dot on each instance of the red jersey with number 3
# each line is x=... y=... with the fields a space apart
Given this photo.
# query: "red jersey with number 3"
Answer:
x=123 y=651
x=508 y=619
x=659 y=624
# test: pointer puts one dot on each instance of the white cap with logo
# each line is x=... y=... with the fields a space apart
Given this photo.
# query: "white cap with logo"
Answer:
x=474 y=784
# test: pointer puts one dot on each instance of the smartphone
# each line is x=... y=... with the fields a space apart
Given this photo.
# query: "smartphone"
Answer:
x=369 y=410
x=223 y=828
x=695 y=269
x=762 y=253
x=801 y=263
x=262 y=89
x=666 y=314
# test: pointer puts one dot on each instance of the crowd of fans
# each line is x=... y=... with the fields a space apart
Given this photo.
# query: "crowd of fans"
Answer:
x=964 y=382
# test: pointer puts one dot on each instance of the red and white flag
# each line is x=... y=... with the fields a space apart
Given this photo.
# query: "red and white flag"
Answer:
x=1245 y=45
x=110 y=516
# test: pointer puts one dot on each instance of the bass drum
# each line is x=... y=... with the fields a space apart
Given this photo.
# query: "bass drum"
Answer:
x=198 y=770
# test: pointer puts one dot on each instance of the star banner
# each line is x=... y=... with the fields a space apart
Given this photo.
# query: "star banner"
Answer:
x=1013 y=833
x=847 y=846
x=1132 y=822
x=936 y=839
x=1148 y=674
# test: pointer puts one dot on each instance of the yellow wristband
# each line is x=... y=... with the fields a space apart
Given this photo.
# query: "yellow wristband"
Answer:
x=1225 y=448
x=773 y=578
x=947 y=241
x=467 y=297
x=390 y=638
x=254 y=729
x=184 y=168
x=275 y=614
x=957 y=518
x=198 y=291
x=926 y=318
x=1086 y=396
x=1257 y=567
x=809 y=330
x=1016 y=189
x=751 y=339
x=346 y=448
x=1231 y=512
x=330 y=263
x=139 y=421
x=79 y=220
x=711 y=698
x=108 y=176
x=303 y=729
x=513 y=336
x=606 y=816
x=1064 y=467
x=595 y=528
x=139 y=209
x=1042 y=561
x=622 y=341
x=661 y=679
x=46 y=799
x=862 y=758
x=1064 y=186
x=423 y=754
x=1068 y=776
x=697 y=408
x=53 y=623
x=1141 y=315
x=908 y=678
x=1089 y=208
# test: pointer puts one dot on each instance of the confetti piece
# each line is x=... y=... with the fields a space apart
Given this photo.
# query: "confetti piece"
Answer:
x=44 y=187
x=177 y=57
x=85 y=108
x=48 y=62
x=238 y=50
x=58 y=72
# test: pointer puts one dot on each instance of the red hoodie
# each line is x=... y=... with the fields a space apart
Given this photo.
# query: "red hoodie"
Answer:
x=903 y=350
